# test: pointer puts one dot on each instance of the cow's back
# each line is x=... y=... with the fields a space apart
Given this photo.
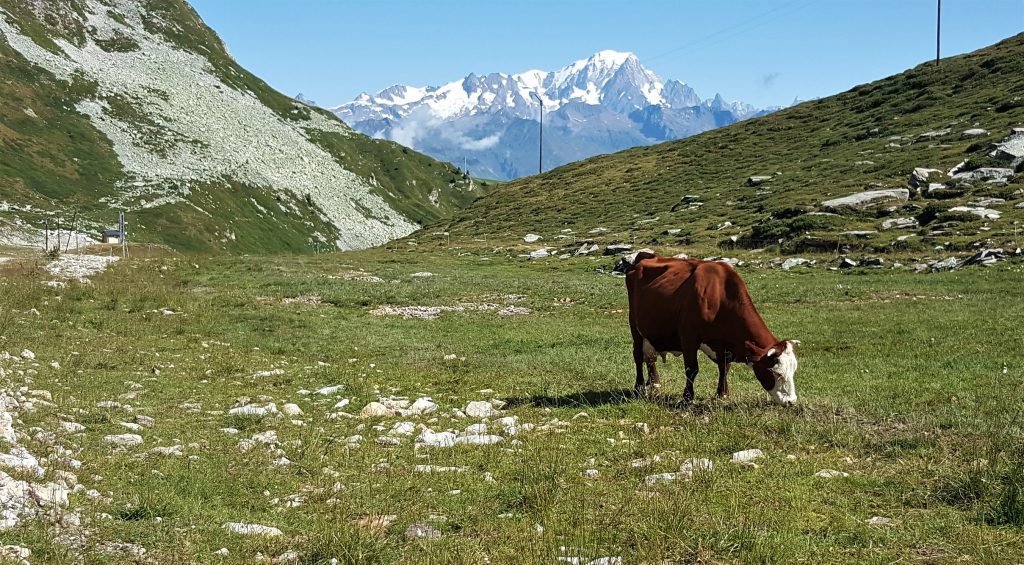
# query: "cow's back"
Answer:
x=672 y=298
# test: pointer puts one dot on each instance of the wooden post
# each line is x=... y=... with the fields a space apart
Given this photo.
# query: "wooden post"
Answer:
x=938 y=31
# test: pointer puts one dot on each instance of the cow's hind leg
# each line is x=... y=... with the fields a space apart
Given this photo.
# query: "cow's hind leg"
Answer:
x=690 y=362
x=651 y=360
x=638 y=360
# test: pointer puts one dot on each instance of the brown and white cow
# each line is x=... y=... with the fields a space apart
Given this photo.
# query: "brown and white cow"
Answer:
x=680 y=306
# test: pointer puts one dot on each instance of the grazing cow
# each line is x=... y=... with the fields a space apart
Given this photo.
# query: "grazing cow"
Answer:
x=680 y=306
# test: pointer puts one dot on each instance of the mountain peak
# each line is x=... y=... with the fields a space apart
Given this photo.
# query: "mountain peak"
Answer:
x=611 y=58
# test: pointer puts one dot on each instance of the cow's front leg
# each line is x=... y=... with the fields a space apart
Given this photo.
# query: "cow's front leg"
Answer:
x=723 y=374
x=723 y=380
x=690 y=362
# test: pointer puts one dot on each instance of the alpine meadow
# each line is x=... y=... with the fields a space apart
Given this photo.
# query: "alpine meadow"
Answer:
x=303 y=344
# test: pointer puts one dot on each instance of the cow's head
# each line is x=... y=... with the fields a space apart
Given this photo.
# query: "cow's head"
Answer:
x=775 y=369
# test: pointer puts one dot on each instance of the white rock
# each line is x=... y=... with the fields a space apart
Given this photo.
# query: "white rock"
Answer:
x=879 y=521
x=27 y=354
x=423 y=405
x=480 y=409
x=531 y=238
x=403 y=429
x=291 y=409
x=438 y=469
x=747 y=456
x=422 y=275
x=375 y=410
x=222 y=552
x=254 y=410
x=268 y=437
x=167 y=451
x=269 y=373
x=431 y=439
x=7 y=427
x=131 y=426
x=478 y=439
x=869 y=197
x=251 y=529
x=329 y=390
x=123 y=441
x=388 y=441
x=591 y=473
x=831 y=474
x=341 y=403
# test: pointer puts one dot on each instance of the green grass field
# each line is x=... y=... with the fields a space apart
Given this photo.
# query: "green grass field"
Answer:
x=909 y=383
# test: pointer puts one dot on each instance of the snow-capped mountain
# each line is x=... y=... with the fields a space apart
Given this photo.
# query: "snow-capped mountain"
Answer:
x=602 y=104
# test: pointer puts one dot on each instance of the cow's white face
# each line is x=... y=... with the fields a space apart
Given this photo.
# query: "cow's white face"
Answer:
x=783 y=369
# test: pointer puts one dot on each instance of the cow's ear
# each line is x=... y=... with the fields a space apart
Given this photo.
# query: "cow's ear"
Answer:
x=771 y=352
x=792 y=343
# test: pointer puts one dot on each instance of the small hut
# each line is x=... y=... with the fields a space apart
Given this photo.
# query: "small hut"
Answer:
x=112 y=236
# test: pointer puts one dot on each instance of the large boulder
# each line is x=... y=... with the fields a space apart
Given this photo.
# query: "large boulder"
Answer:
x=758 y=180
x=899 y=224
x=868 y=198
x=984 y=174
x=1011 y=148
x=986 y=213
x=919 y=178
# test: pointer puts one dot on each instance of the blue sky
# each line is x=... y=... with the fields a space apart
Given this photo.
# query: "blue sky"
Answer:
x=763 y=52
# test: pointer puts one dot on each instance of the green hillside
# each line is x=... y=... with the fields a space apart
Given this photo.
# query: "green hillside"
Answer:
x=55 y=161
x=695 y=191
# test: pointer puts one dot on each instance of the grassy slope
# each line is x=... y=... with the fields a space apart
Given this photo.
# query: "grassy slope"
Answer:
x=909 y=412
x=813 y=149
x=59 y=163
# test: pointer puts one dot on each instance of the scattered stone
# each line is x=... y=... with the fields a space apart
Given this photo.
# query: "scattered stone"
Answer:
x=591 y=473
x=431 y=439
x=831 y=474
x=223 y=552
x=758 y=180
x=269 y=373
x=167 y=451
x=123 y=441
x=847 y=263
x=388 y=441
x=879 y=521
x=947 y=264
x=746 y=456
x=251 y=529
x=974 y=132
x=254 y=410
x=27 y=354
x=375 y=410
x=329 y=390
x=438 y=469
x=793 y=262
x=480 y=409
x=588 y=249
x=874 y=262
x=531 y=238
x=617 y=249
x=291 y=409
x=422 y=275
x=421 y=531
x=423 y=405
x=540 y=253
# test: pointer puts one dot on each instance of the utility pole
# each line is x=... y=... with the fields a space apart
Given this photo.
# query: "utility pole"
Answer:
x=938 y=31
x=540 y=144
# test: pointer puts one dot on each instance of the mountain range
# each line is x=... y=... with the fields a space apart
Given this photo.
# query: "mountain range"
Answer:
x=602 y=104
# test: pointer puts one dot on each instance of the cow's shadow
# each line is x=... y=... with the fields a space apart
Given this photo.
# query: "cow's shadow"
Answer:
x=593 y=398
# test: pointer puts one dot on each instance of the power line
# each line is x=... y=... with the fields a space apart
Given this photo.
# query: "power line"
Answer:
x=756 y=20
